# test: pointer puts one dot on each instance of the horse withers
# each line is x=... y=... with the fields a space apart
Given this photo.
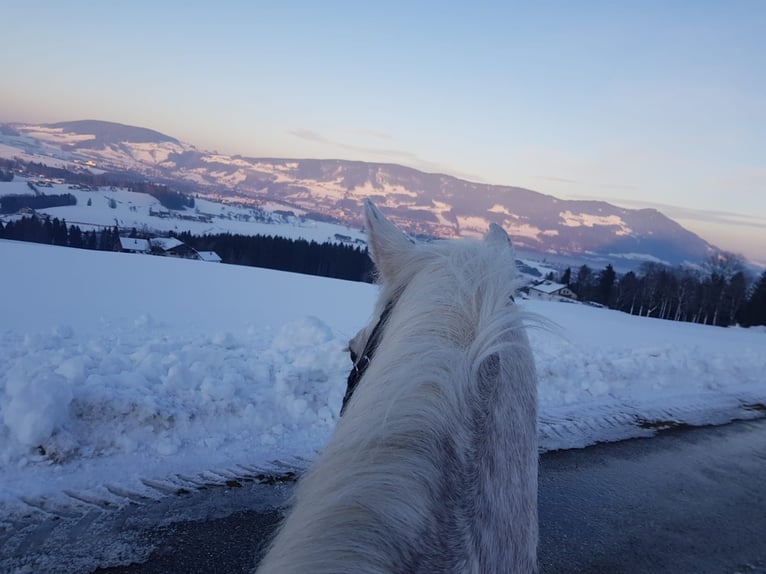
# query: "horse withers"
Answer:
x=432 y=467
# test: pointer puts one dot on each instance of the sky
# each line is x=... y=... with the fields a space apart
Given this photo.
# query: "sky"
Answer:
x=641 y=103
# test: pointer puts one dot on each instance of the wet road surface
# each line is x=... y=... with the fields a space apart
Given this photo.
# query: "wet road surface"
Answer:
x=693 y=501
x=685 y=502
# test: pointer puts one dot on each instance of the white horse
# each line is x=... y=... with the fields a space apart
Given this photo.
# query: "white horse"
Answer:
x=433 y=465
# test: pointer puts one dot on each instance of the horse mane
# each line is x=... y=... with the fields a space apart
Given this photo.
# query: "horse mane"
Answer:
x=407 y=459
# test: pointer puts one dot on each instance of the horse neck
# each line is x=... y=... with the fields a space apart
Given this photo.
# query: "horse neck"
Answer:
x=506 y=458
x=483 y=393
x=435 y=459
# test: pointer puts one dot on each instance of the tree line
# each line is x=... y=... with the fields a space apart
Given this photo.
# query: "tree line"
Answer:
x=56 y=232
x=14 y=203
x=34 y=169
x=296 y=255
x=720 y=292
x=167 y=196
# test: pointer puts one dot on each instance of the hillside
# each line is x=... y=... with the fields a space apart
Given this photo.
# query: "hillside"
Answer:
x=333 y=190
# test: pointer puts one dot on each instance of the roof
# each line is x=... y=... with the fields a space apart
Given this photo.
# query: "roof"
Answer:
x=134 y=244
x=165 y=243
x=209 y=256
x=548 y=287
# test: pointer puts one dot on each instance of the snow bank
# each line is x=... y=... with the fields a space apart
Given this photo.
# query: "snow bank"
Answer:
x=118 y=368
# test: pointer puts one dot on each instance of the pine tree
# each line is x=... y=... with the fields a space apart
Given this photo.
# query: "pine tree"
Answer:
x=734 y=296
x=628 y=293
x=583 y=283
x=59 y=232
x=605 y=290
x=754 y=312
x=75 y=236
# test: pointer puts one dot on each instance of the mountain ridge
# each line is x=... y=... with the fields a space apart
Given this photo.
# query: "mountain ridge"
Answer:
x=426 y=204
x=112 y=132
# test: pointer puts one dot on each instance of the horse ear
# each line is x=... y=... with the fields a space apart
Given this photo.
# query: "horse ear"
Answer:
x=386 y=241
x=497 y=234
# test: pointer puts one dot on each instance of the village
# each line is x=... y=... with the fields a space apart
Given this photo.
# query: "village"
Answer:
x=166 y=246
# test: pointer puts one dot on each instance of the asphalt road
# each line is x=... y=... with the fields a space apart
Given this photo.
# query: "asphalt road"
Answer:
x=685 y=502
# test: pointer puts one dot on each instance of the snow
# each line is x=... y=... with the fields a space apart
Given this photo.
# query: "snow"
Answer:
x=588 y=220
x=33 y=152
x=133 y=244
x=55 y=135
x=165 y=243
x=497 y=208
x=152 y=153
x=548 y=287
x=128 y=210
x=643 y=257
x=119 y=369
x=210 y=256
x=474 y=227
x=523 y=230
x=542 y=267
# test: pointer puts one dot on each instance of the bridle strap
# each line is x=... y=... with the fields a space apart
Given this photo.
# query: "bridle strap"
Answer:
x=361 y=364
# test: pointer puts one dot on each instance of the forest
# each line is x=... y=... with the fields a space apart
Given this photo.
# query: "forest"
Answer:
x=719 y=292
x=299 y=256
x=168 y=197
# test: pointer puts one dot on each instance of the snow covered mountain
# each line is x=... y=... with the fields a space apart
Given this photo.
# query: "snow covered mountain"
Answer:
x=423 y=203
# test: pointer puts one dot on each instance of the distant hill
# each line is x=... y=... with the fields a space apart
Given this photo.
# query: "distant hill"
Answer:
x=428 y=204
x=111 y=133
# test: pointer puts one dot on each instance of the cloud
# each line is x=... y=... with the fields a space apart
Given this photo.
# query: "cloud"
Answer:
x=308 y=135
x=719 y=217
x=384 y=154
x=373 y=134
x=555 y=179
x=723 y=217
x=738 y=232
x=586 y=184
x=703 y=215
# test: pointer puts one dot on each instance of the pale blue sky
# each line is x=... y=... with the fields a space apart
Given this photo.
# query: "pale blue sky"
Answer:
x=635 y=102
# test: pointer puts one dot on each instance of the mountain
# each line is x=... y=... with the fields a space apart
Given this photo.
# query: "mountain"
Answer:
x=423 y=203
x=110 y=133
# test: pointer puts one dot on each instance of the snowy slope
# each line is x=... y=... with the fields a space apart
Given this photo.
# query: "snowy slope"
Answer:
x=145 y=213
x=118 y=370
x=434 y=205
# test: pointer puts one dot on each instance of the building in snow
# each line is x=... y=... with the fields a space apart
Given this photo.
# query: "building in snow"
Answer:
x=134 y=245
x=550 y=291
x=211 y=256
x=172 y=247
x=167 y=246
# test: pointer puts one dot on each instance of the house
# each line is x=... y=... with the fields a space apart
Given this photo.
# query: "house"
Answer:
x=211 y=256
x=134 y=245
x=165 y=243
x=167 y=246
x=550 y=291
x=172 y=247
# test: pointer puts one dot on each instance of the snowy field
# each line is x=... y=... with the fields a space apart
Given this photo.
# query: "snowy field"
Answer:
x=118 y=370
x=118 y=206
